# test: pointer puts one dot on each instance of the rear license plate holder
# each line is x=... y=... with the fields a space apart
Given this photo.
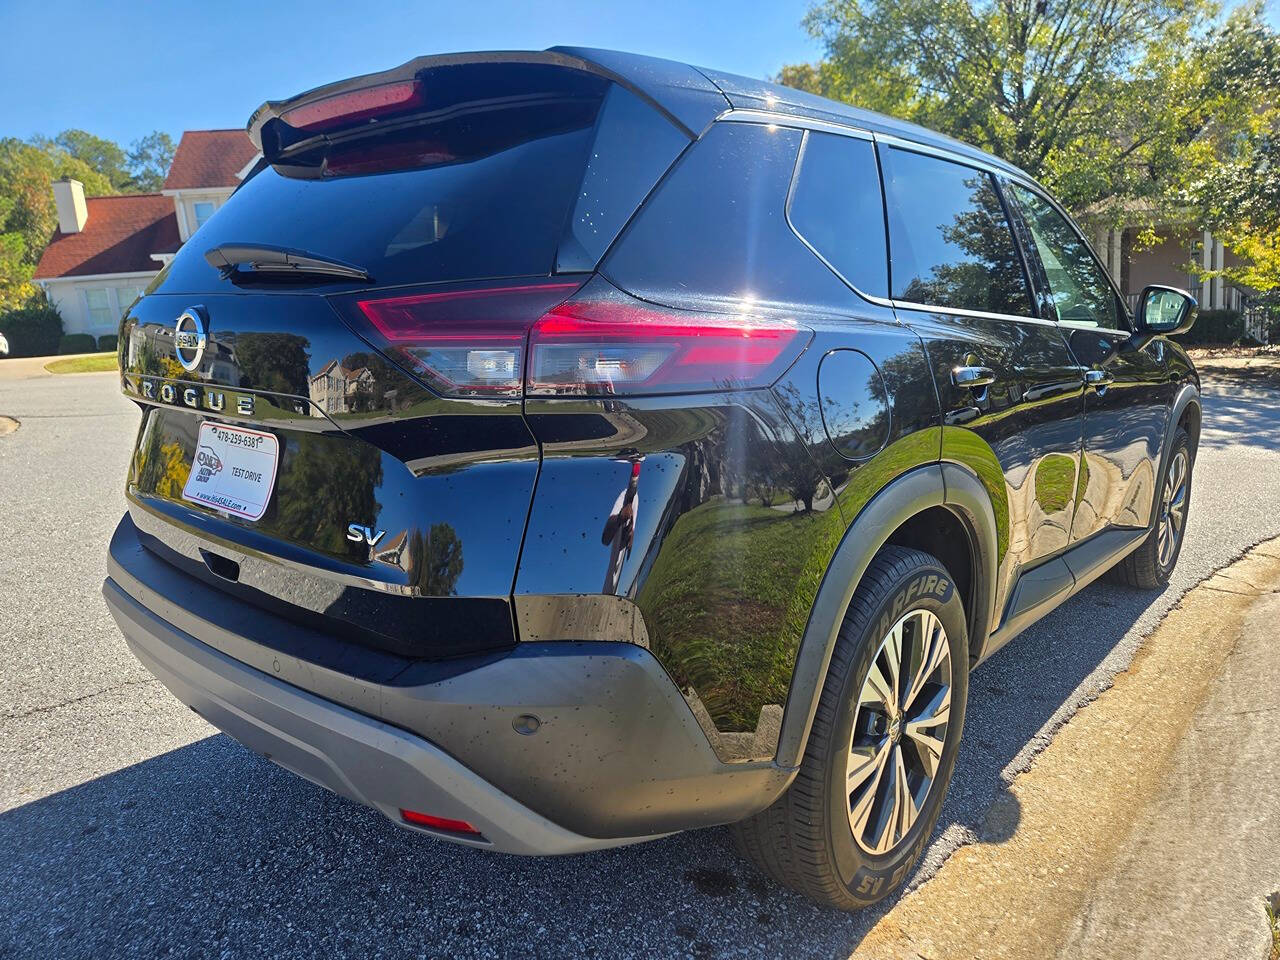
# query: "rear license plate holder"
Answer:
x=233 y=469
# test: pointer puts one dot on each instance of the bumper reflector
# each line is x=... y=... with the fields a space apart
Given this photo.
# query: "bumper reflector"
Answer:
x=438 y=823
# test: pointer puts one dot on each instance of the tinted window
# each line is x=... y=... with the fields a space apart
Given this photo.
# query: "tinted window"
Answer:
x=1078 y=286
x=950 y=241
x=836 y=206
x=482 y=189
x=716 y=228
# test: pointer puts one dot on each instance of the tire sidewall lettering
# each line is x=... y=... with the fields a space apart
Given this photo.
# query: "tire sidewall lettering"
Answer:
x=867 y=876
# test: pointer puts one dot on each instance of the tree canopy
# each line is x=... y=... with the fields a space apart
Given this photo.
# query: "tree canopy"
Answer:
x=1131 y=111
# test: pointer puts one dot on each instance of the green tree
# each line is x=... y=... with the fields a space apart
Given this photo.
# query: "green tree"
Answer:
x=149 y=160
x=1237 y=192
x=105 y=156
x=1106 y=102
x=28 y=216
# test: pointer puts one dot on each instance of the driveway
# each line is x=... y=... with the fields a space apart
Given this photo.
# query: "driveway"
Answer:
x=128 y=827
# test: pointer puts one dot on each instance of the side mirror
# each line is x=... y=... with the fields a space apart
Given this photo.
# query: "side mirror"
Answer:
x=1163 y=311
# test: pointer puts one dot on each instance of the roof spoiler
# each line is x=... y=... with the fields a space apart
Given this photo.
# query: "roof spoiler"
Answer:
x=273 y=109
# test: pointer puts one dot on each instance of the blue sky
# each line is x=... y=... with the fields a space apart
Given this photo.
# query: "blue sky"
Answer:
x=175 y=66
x=121 y=70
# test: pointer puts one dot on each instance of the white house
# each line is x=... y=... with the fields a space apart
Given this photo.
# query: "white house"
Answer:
x=107 y=249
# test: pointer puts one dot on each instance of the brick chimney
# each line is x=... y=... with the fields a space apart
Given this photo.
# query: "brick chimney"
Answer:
x=68 y=195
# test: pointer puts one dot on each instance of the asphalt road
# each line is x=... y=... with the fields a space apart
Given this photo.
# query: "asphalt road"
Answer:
x=129 y=827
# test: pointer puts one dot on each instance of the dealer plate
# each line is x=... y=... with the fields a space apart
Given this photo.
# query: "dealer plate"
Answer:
x=234 y=469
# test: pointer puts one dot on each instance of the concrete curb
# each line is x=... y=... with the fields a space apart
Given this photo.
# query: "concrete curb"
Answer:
x=1050 y=842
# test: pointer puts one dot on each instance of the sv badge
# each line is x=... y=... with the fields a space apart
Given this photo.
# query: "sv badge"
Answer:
x=360 y=534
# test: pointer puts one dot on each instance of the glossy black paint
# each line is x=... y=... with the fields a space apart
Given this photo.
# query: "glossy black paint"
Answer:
x=1020 y=434
x=707 y=527
x=1124 y=427
x=448 y=482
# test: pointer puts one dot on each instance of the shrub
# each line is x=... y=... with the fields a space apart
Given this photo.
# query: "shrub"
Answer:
x=107 y=342
x=77 y=343
x=1216 y=327
x=33 y=329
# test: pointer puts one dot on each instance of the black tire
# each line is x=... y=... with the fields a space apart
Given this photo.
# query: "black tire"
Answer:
x=1144 y=568
x=805 y=840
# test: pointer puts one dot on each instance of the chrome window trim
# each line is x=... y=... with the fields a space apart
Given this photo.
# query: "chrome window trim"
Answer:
x=960 y=312
x=808 y=124
x=979 y=163
x=996 y=175
x=772 y=119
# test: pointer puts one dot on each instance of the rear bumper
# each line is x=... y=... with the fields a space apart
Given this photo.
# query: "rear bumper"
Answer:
x=351 y=754
x=618 y=757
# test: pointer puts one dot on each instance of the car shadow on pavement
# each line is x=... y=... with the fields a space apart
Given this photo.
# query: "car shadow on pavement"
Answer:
x=212 y=850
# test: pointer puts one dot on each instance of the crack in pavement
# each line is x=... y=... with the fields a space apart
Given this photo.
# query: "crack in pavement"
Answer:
x=50 y=708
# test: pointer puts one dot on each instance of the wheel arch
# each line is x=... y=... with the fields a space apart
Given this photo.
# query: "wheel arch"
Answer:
x=900 y=513
x=1186 y=414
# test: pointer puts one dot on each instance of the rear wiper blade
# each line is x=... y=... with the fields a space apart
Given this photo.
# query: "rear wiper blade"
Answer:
x=231 y=258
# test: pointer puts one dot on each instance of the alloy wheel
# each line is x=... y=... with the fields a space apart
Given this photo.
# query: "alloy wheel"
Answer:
x=899 y=731
x=1173 y=510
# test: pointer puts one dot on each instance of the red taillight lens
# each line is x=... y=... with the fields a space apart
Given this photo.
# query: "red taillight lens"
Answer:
x=472 y=342
x=612 y=347
x=355 y=105
x=466 y=342
x=438 y=823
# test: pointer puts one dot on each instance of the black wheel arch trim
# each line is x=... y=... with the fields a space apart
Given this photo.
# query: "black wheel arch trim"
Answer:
x=945 y=485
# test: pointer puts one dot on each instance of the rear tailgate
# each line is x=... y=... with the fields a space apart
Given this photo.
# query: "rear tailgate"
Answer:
x=294 y=450
x=436 y=490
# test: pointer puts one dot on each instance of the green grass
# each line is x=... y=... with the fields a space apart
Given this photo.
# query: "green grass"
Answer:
x=92 y=363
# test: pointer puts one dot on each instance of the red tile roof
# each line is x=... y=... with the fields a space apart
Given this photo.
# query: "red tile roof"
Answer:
x=210 y=158
x=119 y=237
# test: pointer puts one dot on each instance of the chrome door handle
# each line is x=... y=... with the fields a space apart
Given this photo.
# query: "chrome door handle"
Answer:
x=1098 y=378
x=975 y=378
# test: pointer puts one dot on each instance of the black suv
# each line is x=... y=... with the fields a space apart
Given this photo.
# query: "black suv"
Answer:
x=558 y=450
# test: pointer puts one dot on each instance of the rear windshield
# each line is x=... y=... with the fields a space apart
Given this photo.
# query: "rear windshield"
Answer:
x=484 y=190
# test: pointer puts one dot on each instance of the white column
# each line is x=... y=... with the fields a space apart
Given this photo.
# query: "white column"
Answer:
x=1219 y=292
x=1206 y=264
x=1114 y=255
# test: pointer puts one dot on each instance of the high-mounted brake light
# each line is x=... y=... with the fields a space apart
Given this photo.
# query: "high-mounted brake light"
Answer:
x=472 y=342
x=355 y=105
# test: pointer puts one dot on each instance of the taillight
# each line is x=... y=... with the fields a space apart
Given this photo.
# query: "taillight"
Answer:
x=627 y=347
x=466 y=342
x=355 y=105
x=540 y=339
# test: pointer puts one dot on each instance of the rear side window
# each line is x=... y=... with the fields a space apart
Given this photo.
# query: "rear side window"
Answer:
x=949 y=239
x=716 y=229
x=836 y=206
x=487 y=185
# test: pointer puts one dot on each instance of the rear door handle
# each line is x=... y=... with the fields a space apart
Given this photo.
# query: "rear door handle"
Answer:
x=973 y=377
x=1098 y=378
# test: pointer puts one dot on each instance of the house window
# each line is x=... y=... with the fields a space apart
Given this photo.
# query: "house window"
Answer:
x=126 y=295
x=100 y=312
x=203 y=210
